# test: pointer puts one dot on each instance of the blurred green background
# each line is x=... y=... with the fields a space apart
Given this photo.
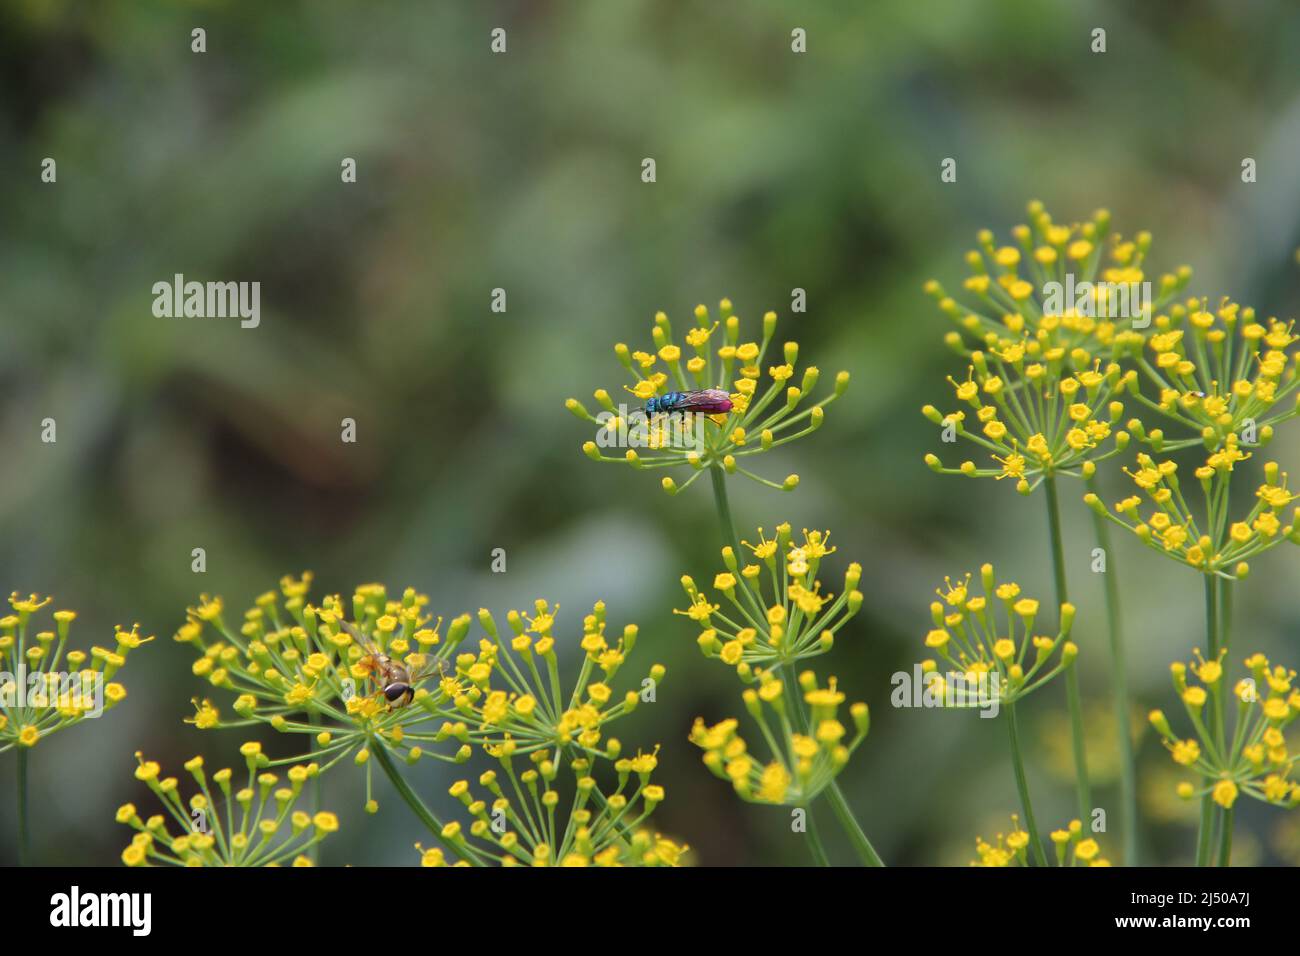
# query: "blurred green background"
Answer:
x=775 y=171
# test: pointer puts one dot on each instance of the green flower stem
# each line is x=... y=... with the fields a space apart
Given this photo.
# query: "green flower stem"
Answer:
x=1023 y=786
x=794 y=705
x=1204 y=836
x=1119 y=680
x=815 y=845
x=1072 y=695
x=1216 y=698
x=1220 y=717
x=1225 y=613
x=23 y=845
x=1225 y=837
x=1075 y=703
x=426 y=816
x=313 y=852
x=861 y=845
x=1211 y=617
x=1054 y=530
x=724 y=509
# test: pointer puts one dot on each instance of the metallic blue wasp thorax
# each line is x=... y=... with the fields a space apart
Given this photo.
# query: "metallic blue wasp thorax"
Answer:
x=664 y=403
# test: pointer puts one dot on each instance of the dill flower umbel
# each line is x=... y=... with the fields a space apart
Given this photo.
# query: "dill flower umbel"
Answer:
x=515 y=820
x=1040 y=419
x=986 y=639
x=507 y=701
x=1215 y=545
x=47 y=687
x=1218 y=374
x=1018 y=290
x=777 y=612
x=500 y=695
x=990 y=666
x=256 y=825
x=300 y=669
x=1053 y=312
x=777 y=617
x=1012 y=849
x=295 y=666
x=758 y=420
x=1043 y=384
x=808 y=749
x=1251 y=757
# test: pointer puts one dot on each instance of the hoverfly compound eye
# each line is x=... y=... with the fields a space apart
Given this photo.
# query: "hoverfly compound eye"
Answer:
x=395 y=692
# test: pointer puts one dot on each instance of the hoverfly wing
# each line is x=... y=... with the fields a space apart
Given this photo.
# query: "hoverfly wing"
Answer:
x=363 y=642
x=431 y=668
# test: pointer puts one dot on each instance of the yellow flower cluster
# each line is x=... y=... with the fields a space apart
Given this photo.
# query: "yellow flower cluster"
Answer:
x=501 y=695
x=1227 y=379
x=1010 y=284
x=516 y=822
x=1255 y=759
x=1216 y=544
x=777 y=616
x=265 y=830
x=986 y=638
x=295 y=667
x=808 y=751
x=760 y=418
x=777 y=612
x=507 y=701
x=1072 y=848
x=1040 y=418
x=1217 y=374
x=302 y=668
x=1044 y=383
x=48 y=688
x=1063 y=333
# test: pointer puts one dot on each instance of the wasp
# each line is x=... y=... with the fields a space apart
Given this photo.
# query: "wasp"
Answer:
x=395 y=680
x=710 y=401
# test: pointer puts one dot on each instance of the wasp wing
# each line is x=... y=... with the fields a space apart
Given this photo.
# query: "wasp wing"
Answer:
x=710 y=401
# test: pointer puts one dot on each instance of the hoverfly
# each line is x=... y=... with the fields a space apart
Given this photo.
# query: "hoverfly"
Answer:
x=710 y=401
x=395 y=680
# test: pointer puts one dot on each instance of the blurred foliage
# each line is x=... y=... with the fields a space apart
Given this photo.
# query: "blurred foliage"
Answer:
x=521 y=171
